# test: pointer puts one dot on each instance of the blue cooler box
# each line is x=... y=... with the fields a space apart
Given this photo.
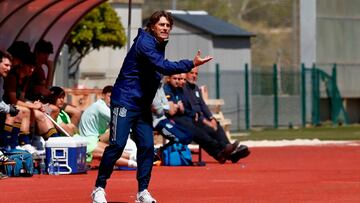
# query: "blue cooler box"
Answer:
x=69 y=152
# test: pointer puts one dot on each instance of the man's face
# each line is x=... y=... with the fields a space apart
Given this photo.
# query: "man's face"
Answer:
x=42 y=57
x=28 y=69
x=161 y=29
x=182 y=79
x=60 y=101
x=192 y=76
x=5 y=66
x=174 y=80
x=107 y=98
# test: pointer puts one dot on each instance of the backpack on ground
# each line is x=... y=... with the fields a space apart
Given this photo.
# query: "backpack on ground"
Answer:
x=176 y=154
x=24 y=166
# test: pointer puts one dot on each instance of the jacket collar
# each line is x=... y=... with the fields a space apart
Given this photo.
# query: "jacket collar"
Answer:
x=192 y=86
x=142 y=32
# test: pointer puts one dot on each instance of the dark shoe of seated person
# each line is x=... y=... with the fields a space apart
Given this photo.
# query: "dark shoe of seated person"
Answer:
x=241 y=152
x=235 y=145
x=225 y=153
x=231 y=149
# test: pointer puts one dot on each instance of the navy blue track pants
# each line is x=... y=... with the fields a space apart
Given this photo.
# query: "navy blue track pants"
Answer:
x=170 y=129
x=122 y=120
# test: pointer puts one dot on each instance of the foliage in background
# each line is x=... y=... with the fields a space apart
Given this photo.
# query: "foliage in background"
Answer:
x=271 y=21
x=99 y=28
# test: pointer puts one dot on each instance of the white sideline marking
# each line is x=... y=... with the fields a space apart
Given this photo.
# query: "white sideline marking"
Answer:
x=297 y=142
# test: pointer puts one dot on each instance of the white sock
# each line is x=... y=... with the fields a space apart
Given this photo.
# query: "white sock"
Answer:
x=132 y=164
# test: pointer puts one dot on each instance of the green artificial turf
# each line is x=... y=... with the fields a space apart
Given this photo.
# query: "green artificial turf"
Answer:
x=351 y=132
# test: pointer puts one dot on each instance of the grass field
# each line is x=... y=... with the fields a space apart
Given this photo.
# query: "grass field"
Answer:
x=350 y=132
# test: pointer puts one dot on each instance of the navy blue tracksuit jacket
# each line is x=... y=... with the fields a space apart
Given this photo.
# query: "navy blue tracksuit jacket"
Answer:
x=140 y=74
x=131 y=100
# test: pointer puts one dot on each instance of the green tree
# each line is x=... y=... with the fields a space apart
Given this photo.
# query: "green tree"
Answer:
x=274 y=13
x=101 y=27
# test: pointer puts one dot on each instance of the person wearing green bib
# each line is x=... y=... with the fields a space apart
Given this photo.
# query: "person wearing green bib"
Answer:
x=57 y=97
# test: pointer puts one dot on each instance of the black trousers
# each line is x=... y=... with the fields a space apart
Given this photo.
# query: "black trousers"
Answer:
x=202 y=135
x=218 y=134
x=122 y=121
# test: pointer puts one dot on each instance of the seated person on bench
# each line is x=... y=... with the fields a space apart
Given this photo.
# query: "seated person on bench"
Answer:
x=94 y=124
x=16 y=86
x=41 y=80
x=218 y=146
x=203 y=118
x=166 y=127
x=5 y=109
x=56 y=97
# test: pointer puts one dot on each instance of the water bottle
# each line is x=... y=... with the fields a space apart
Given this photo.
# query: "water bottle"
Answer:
x=56 y=167
x=42 y=166
x=51 y=167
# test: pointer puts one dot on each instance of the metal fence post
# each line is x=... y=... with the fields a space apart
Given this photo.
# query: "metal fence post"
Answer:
x=275 y=91
x=238 y=111
x=334 y=102
x=303 y=95
x=247 y=108
x=315 y=96
x=313 y=84
x=217 y=80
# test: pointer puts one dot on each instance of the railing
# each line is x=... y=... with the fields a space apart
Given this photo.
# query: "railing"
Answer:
x=82 y=98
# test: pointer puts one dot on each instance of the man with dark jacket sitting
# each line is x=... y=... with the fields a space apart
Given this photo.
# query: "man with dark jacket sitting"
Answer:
x=216 y=148
x=203 y=118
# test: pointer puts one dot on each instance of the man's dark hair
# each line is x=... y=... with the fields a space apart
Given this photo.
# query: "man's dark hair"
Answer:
x=107 y=89
x=19 y=49
x=155 y=17
x=29 y=59
x=55 y=93
x=5 y=55
x=43 y=46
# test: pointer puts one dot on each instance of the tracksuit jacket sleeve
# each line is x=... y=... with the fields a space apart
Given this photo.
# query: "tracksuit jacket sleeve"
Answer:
x=4 y=108
x=163 y=65
x=160 y=103
x=205 y=109
x=186 y=99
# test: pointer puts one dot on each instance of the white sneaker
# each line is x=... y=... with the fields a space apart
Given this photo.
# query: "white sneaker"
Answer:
x=98 y=195
x=32 y=150
x=29 y=148
x=144 y=197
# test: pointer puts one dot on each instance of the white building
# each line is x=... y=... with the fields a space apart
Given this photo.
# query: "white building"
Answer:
x=101 y=67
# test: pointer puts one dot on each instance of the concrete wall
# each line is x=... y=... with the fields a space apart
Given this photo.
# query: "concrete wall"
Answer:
x=185 y=41
x=329 y=33
x=232 y=53
x=307 y=32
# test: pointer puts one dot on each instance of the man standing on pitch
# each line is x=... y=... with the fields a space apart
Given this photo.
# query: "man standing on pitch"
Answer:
x=131 y=101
